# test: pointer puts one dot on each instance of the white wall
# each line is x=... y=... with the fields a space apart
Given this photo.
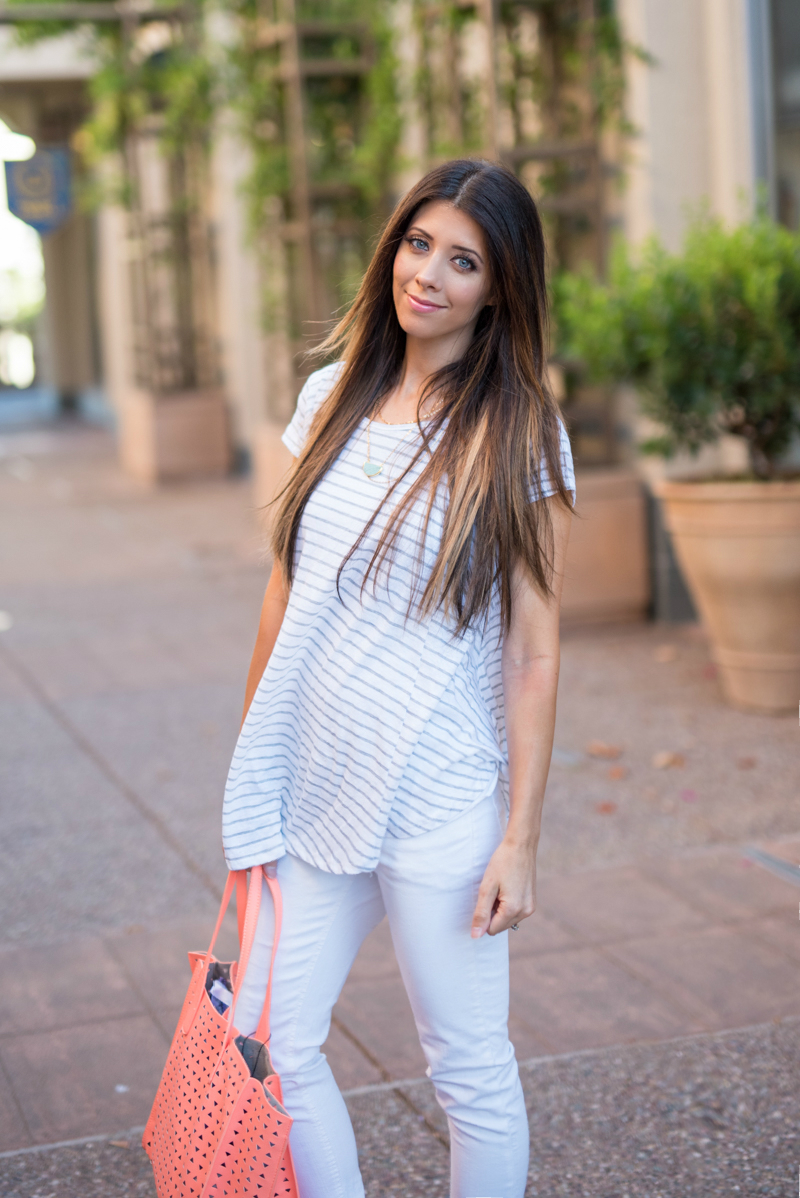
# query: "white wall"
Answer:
x=114 y=305
x=692 y=110
x=239 y=290
x=65 y=57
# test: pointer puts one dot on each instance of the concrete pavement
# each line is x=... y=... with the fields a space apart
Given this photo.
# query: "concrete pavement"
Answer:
x=132 y=615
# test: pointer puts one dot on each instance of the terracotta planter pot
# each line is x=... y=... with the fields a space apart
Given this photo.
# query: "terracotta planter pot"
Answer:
x=739 y=547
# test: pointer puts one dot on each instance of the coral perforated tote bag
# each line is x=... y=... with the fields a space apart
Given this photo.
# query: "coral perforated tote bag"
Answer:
x=218 y=1127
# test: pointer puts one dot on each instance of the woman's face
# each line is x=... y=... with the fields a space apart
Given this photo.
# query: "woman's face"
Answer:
x=441 y=274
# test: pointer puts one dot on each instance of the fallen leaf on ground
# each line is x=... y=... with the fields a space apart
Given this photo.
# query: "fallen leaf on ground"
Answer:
x=617 y=772
x=606 y=808
x=665 y=653
x=746 y=763
x=666 y=760
x=598 y=748
x=120 y=1143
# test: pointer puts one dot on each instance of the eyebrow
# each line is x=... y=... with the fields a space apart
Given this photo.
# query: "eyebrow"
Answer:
x=466 y=249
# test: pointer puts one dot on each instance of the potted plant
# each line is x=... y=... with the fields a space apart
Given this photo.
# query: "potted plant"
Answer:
x=710 y=338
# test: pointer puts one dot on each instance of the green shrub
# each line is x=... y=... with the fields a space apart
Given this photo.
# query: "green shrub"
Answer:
x=709 y=337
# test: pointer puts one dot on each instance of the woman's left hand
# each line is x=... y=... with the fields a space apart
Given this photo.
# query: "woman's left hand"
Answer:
x=508 y=889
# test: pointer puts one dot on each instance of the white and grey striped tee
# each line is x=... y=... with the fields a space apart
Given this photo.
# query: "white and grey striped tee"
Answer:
x=365 y=723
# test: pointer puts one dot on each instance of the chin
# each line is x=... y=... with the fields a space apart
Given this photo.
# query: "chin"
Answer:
x=421 y=329
x=421 y=324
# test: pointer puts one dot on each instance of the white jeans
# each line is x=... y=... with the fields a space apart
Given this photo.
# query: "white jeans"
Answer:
x=458 y=988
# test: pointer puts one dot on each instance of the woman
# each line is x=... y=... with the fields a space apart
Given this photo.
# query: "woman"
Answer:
x=409 y=634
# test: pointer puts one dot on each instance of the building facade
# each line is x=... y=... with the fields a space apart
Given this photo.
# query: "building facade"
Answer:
x=714 y=107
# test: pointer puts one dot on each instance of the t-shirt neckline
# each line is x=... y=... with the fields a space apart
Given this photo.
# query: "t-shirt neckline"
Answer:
x=384 y=424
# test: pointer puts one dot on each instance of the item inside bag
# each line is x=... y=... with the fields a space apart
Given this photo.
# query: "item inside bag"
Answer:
x=218 y=986
x=256 y=1057
x=220 y=992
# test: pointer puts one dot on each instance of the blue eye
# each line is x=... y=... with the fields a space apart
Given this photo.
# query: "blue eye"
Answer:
x=466 y=262
x=417 y=241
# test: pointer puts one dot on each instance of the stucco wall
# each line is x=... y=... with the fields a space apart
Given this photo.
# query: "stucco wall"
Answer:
x=692 y=111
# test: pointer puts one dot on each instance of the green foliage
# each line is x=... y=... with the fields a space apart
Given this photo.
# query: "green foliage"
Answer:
x=566 y=60
x=710 y=337
x=374 y=157
x=180 y=83
x=253 y=90
x=573 y=52
x=452 y=104
x=353 y=122
x=163 y=72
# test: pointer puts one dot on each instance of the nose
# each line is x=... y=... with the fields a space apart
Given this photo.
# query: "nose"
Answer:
x=429 y=274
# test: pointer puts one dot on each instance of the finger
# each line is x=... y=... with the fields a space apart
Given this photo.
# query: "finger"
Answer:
x=504 y=916
x=483 y=910
x=502 y=919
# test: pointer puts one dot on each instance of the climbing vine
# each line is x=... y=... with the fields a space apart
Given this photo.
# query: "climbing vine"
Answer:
x=176 y=73
x=450 y=80
x=562 y=60
x=558 y=71
x=556 y=67
x=573 y=60
x=157 y=71
x=352 y=121
x=562 y=81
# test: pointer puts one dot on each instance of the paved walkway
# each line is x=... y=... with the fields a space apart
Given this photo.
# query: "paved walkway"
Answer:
x=130 y=618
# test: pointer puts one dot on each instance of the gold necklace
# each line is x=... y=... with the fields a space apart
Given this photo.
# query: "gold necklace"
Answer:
x=398 y=423
x=373 y=469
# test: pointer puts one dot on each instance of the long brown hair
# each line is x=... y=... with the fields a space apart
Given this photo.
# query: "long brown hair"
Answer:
x=498 y=418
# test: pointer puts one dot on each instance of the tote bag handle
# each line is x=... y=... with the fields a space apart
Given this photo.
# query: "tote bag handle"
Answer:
x=235 y=878
x=248 y=902
x=262 y=1031
x=248 y=921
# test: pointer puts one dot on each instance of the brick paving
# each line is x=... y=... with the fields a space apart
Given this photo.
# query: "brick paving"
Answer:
x=121 y=677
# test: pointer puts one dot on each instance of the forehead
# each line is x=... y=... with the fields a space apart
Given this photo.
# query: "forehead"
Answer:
x=445 y=223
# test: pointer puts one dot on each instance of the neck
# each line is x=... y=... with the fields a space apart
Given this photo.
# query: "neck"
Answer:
x=422 y=360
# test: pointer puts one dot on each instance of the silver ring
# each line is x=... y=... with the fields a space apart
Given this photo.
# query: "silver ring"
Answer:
x=515 y=927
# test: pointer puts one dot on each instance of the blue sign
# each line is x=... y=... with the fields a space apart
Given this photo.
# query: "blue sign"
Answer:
x=40 y=190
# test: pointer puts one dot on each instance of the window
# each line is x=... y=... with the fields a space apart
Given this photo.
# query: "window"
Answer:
x=786 y=93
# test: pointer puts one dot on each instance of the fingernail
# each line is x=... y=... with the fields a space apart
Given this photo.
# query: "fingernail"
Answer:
x=476 y=933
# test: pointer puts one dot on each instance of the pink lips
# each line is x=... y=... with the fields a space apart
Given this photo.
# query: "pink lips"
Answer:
x=421 y=305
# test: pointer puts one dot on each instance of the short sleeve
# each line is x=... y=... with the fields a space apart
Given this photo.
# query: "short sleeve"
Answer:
x=316 y=390
x=567 y=469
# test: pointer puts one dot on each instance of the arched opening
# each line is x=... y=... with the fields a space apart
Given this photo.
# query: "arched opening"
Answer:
x=49 y=345
x=22 y=288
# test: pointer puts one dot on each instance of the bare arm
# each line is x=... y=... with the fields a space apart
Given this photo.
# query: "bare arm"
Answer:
x=272 y=612
x=530 y=682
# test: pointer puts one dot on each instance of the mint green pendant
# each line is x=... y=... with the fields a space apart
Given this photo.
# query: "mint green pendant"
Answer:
x=372 y=469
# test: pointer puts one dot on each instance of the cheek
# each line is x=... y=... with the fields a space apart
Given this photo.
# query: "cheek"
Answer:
x=403 y=269
x=467 y=294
